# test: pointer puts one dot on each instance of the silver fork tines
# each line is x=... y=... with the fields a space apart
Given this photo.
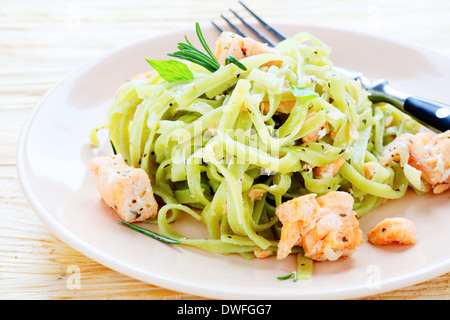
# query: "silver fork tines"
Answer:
x=280 y=36
x=277 y=34
x=235 y=28
x=434 y=115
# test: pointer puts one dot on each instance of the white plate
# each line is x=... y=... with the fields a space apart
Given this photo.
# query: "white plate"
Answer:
x=52 y=162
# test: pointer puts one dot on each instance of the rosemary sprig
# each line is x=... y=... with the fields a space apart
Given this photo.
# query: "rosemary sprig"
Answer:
x=232 y=59
x=203 y=42
x=192 y=54
x=292 y=275
x=113 y=148
x=150 y=233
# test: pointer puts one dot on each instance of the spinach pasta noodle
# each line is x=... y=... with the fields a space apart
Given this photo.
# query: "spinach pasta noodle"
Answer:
x=220 y=148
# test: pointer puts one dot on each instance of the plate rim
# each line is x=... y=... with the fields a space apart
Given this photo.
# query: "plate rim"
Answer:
x=358 y=291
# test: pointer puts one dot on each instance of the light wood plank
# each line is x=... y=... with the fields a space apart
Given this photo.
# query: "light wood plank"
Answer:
x=42 y=41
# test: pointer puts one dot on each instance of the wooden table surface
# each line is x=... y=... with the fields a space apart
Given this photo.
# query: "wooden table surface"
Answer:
x=41 y=41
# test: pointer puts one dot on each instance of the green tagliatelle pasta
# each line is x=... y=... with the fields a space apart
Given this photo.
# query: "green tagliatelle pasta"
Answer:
x=218 y=148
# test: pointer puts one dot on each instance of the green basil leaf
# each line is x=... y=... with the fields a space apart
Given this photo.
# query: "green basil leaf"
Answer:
x=171 y=70
x=303 y=92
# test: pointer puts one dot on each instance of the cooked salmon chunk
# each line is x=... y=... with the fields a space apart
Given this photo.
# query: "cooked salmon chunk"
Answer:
x=328 y=170
x=393 y=230
x=261 y=253
x=326 y=227
x=425 y=151
x=317 y=134
x=125 y=189
x=239 y=47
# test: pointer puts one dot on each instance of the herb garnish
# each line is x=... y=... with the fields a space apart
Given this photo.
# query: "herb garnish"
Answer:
x=171 y=70
x=303 y=92
x=232 y=59
x=150 y=233
x=292 y=275
x=113 y=148
x=192 y=54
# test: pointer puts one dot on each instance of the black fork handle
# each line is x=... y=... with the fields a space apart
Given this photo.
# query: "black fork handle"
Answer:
x=434 y=115
x=431 y=113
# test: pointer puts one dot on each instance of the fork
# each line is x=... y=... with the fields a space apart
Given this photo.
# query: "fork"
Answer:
x=432 y=114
